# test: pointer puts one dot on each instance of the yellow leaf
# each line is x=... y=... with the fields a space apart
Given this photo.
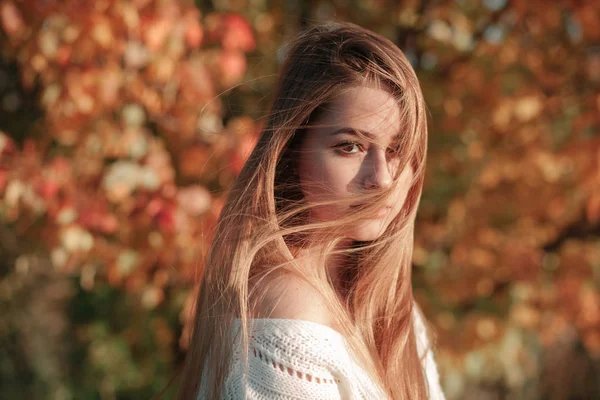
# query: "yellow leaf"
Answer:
x=527 y=108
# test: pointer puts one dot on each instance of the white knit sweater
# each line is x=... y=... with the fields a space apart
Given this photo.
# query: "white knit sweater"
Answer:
x=295 y=359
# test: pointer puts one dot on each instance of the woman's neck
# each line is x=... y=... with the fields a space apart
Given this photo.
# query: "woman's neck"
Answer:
x=335 y=264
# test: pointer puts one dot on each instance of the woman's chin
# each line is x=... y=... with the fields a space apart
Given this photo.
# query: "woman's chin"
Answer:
x=368 y=231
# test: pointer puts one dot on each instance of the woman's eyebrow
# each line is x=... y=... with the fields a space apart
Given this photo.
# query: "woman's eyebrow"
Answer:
x=361 y=132
x=352 y=131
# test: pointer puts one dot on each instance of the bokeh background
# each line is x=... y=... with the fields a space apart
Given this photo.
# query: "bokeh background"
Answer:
x=124 y=122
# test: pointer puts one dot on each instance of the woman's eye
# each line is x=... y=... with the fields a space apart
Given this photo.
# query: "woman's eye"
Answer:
x=392 y=151
x=349 y=148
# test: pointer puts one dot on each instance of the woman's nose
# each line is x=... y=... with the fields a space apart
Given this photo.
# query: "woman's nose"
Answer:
x=377 y=174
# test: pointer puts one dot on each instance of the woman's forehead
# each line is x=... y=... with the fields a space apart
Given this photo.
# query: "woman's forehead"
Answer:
x=362 y=108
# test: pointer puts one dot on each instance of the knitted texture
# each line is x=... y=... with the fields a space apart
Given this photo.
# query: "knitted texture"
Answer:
x=296 y=359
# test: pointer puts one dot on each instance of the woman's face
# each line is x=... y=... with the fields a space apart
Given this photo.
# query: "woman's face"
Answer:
x=338 y=162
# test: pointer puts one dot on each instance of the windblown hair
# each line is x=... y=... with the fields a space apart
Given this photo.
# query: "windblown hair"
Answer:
x=263 y=222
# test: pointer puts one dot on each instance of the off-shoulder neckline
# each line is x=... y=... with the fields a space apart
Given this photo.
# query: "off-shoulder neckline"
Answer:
x=295 y=322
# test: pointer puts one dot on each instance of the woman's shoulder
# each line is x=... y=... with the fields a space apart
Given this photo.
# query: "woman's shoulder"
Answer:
x=291 y=301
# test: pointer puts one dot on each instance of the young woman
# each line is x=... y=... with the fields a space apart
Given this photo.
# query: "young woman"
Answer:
x=306 y=292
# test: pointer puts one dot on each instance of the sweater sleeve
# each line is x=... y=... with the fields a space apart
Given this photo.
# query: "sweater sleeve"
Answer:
x=426 y=353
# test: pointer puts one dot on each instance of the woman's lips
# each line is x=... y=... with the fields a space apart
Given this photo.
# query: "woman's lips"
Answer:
x=382 y=212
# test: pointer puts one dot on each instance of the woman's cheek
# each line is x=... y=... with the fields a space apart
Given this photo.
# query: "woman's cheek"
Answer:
x=327 y=174
x=402 y=190
x=339 y=173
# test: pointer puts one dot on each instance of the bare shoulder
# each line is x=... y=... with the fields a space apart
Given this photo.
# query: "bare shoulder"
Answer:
x=290 y=297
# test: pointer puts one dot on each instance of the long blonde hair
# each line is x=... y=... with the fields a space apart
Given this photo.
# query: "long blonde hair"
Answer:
x=263 y=220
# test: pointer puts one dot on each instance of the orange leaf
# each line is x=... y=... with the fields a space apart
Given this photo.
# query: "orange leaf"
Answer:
x=11 y=18
x=593 y=208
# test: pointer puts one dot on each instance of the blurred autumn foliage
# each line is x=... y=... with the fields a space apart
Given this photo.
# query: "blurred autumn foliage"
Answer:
x=122 y=126
x=120 y=179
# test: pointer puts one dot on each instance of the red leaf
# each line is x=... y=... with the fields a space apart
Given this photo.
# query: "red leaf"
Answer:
x=166 y=220
x=63 y=55
x=193 y=29
x=11 y=18
x=49 y=189
x=232 y=66
x=237 y=34
x=3 y=180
